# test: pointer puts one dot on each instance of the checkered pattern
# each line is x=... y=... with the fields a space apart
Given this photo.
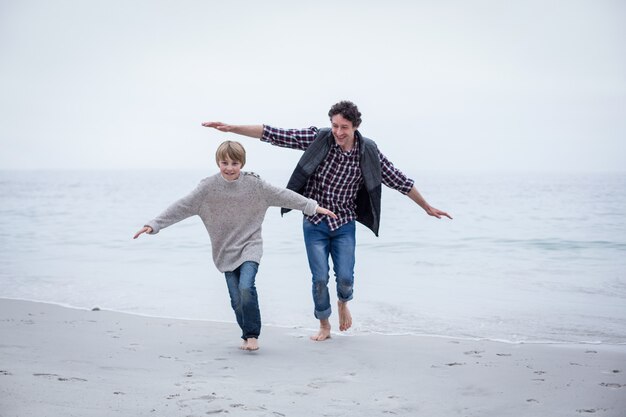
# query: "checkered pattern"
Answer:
x=335 y=183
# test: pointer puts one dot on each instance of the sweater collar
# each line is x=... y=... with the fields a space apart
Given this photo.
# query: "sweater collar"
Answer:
x=230 y=181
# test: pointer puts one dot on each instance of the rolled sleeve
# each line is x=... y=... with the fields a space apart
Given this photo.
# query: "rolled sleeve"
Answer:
x=311 y=207
x=394 y=178
x=154 y=226
x=289 y=138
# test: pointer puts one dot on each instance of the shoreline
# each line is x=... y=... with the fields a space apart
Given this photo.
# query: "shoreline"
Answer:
x=351 y=333
x=57 y=361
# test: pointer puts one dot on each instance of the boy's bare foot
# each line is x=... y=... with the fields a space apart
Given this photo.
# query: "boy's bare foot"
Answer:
x=324 y=332
x=345 y=318
x=252 y=344
x=244 y=345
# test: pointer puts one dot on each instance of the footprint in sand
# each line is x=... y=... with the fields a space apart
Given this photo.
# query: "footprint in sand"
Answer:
x=60 y=378
x=264 y=391
x=5 y=373
x=71 y=379
x=209 y=398
x=611 y=385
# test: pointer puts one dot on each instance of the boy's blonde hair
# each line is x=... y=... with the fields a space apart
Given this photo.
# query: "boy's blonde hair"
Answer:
x=231 y=150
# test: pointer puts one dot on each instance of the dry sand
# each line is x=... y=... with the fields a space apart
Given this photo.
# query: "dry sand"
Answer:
x=56 y=361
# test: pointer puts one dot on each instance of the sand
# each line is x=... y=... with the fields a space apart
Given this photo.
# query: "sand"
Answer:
x=57 y=361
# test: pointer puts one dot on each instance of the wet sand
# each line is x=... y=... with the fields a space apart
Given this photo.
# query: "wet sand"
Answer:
x=57 y=361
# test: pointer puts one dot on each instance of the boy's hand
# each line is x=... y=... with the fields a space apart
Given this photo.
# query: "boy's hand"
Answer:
x=222 y=127
x=322 y=210
x=145 y=229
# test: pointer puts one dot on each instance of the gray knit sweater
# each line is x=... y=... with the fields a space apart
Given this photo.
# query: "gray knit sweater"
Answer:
x=232 y=212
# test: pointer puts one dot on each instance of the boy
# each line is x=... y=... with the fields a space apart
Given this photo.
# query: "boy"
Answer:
x=232 y=205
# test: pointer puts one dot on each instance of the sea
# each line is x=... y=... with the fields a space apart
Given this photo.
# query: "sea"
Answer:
x=528 y=257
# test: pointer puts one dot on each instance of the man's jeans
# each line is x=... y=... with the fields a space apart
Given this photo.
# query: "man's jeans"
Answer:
x=340 y=244
x=243 y=298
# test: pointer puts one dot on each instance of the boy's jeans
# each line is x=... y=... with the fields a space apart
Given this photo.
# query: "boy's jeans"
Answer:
x=243 y=298
x=320 y=241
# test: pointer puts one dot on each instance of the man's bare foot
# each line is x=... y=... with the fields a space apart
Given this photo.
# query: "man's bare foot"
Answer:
x=324 y=332
x=345 y=318
x=252 y=344
x=244 y=345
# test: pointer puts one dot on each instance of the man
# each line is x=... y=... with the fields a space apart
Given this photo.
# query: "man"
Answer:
x=343 y=171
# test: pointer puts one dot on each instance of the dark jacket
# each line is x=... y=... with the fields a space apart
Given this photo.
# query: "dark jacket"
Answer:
x=368 y=197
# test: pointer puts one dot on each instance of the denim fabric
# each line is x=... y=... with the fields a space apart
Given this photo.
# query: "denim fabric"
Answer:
x=340 y=244
x=243 y=298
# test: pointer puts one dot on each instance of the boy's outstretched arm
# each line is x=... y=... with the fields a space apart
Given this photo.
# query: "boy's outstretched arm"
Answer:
x=254 y=131
x=145 y=229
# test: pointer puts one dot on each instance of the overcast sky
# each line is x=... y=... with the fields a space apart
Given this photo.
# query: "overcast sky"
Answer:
x=442 y=85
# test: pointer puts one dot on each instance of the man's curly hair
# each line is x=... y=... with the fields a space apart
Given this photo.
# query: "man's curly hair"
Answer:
x=348 y=110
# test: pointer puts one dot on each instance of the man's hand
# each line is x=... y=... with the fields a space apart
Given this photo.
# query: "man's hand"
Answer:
x=222 y=127
x=145 y=229
x=254 y=131
x=431 y=211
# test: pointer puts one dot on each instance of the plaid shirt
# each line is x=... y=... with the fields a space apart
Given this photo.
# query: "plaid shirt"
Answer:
x=336 y=181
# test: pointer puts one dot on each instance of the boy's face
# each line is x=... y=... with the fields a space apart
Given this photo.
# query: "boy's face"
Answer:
x=229 y=169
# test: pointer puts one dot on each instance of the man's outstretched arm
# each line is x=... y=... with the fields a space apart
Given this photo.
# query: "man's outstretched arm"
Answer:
x=392 y=177
x=254 y=131
x=285 y=138
x=431 y=211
